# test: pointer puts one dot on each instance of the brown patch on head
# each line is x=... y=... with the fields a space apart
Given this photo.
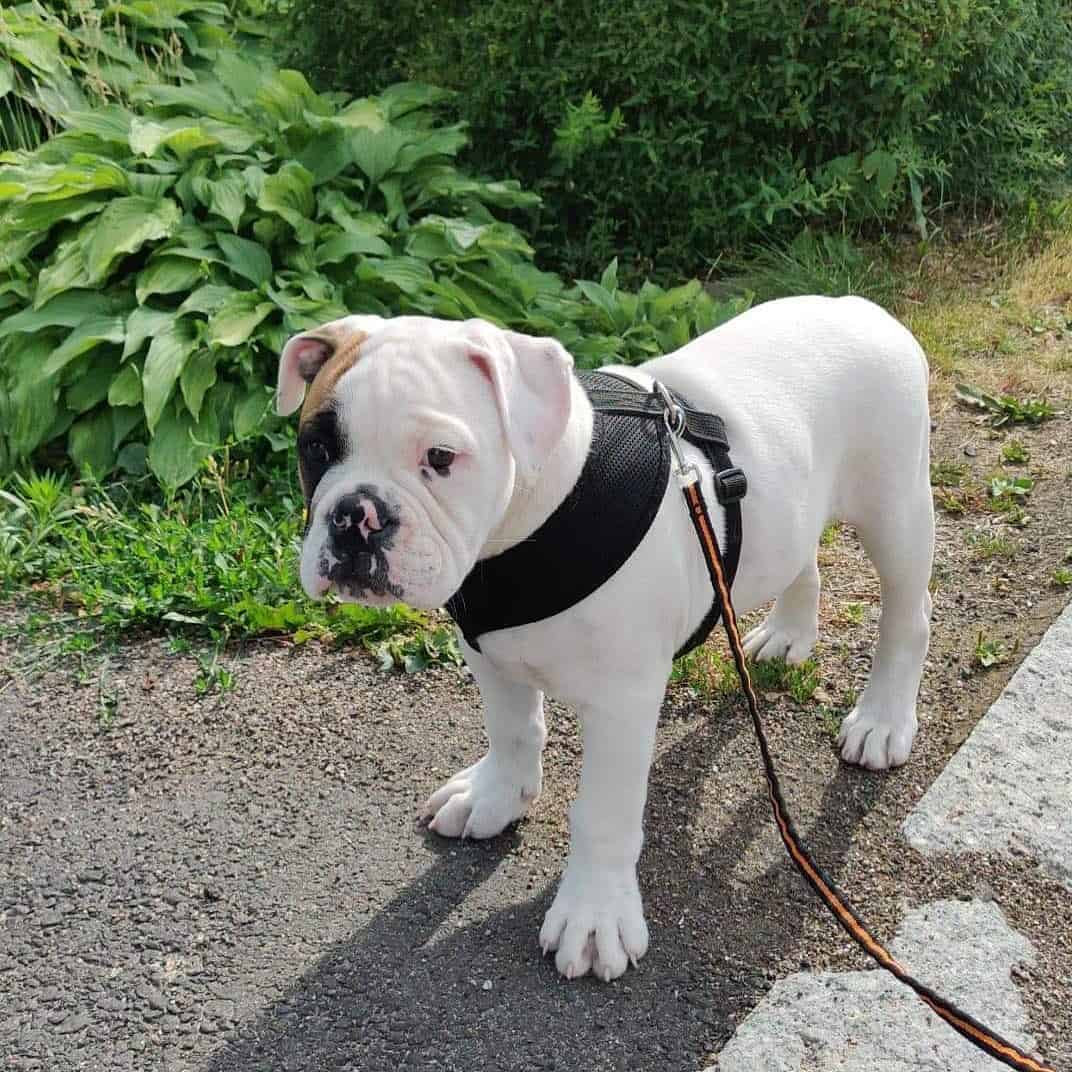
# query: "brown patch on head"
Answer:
x=346 y=349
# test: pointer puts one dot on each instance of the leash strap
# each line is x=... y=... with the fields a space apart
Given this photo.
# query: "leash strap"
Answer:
x=982 y=1036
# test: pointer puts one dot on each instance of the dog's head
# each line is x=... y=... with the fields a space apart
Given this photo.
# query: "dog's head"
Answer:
x=414 y=433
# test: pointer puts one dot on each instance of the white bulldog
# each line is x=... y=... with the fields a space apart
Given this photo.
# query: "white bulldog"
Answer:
x=427 y=445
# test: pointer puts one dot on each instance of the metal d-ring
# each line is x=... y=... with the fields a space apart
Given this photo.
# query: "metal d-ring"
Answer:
x=674 y=419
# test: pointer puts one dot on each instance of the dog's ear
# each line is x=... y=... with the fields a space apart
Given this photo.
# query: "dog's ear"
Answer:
x=302 y=358
x=530 y=378
x=306 y=354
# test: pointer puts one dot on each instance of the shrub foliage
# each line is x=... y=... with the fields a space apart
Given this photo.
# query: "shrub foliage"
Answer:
x=665 y=131
x=155 y=255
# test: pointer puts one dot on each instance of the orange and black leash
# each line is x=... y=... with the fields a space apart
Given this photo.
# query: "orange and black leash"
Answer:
x=981 y=1035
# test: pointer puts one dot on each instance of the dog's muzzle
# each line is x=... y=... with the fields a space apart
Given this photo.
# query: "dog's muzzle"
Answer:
x=361 y=529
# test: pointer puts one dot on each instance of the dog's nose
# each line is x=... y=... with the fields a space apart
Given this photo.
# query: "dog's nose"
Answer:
x=357 y=521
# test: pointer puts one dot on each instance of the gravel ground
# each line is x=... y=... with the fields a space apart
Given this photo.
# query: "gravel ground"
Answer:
x=236 y=883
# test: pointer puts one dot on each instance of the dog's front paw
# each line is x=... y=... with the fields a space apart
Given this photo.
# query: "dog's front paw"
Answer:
x=482 y=800
x=875 y=740
x=596 y=923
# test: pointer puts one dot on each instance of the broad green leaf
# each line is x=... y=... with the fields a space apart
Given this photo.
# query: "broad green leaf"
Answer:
x=125 y=389
x=67 y=271
x=124 y=420
x=207 y=299
x=285 y=95
x=289 y=194
x=882 y=167
x=246 y=258
x=227 y=198
x=89 y=443
x=408 y=274
x=124 y=227
x=376 y=151
x=33 y=407
x=166 y=275
x=168 y=353
x=609 y=279
x=132 y=459
x=7 y=77
x=198 y=376
x=444 y=141
x=39 y=216
x=250 y=411
x=65 y=310
x=347 y=245
x=404 y=97
x=234 y=322
x=179 y=446
x=89 y=334
x=143 y=323
x=365 y=112
x=327 y=155
x=92 y=387
x=110 y=123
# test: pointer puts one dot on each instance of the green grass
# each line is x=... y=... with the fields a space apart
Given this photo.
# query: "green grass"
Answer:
x=948 y=474
x=215 y=562
x=830 y=264
x=776 y=675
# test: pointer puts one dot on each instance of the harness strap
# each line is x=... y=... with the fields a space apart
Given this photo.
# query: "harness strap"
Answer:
x=706 y=431
x=982 y=1036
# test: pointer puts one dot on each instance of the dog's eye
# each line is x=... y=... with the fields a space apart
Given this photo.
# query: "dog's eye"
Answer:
x=440 y=459
x=316 y=452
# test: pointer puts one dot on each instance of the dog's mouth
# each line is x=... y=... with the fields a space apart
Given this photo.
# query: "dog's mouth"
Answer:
x=358 y=575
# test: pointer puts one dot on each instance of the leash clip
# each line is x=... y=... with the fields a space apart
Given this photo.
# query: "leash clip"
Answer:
x=674 y=419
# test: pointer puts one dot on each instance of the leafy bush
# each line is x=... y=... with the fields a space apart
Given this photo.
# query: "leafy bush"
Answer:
x=663 y=132
x=155 y=256
x=61 y=56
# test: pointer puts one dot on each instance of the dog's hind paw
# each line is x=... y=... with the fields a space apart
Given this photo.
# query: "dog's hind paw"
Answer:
x=876 y=741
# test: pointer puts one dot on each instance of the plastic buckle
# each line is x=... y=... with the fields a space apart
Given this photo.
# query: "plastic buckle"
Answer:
x=731 y=485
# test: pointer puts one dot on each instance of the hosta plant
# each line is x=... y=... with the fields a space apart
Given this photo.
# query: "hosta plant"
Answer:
x=155 y=255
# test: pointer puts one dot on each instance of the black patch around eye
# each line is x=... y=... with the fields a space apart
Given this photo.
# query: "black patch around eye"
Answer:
x=320 y=446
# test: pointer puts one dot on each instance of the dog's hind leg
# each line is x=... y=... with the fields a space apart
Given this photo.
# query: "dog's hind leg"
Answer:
x=879 y=732
x=790 y=630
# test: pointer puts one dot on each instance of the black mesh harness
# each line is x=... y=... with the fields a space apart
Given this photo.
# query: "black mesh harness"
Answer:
x=602 y=520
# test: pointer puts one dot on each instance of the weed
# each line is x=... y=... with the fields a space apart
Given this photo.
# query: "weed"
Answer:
x=212 y=676
x=815 y=264
x=706 y=671
x=948 y=474
x=218 y=559
x=417 y=651
x=987 y=545
x=799 y=680
x=1011 y=488
x=1007 y=496
x=1006 y=409
x=853 y=612
x=950 y=502
x=1015 y=453
x=1062 y=577
x=989 y=652
x=830 y=534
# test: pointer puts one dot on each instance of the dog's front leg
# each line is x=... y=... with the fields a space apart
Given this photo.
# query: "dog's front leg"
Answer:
x=596 y=922
x=481 y=800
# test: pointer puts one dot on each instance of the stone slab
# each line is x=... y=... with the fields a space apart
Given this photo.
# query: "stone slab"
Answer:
x=1009 y=787
x=866 y=1021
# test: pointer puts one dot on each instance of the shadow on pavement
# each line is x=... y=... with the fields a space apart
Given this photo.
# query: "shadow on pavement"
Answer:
x=411 y=991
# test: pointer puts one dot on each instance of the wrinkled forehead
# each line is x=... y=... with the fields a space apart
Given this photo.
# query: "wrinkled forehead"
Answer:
x=405 y=355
